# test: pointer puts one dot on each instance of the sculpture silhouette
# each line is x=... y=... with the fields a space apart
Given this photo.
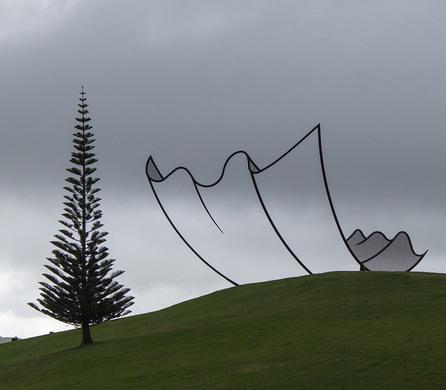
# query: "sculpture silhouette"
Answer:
x=154 y=176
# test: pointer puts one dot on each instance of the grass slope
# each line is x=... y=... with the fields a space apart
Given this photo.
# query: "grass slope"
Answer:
x=330 y=331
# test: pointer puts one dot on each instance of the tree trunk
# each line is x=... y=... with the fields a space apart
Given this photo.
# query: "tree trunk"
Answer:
x=362 y=268
x=86 y=335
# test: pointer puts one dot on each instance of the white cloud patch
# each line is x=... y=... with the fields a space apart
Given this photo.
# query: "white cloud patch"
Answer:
x=24 y=18
x=12 y=325
x=180 y=22
x=16 y=317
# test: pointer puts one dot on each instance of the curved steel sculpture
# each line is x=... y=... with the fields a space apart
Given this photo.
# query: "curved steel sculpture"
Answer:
x=380 y=253
x=154 y=176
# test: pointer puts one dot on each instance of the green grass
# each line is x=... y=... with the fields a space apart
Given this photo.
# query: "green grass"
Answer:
x=331 y=331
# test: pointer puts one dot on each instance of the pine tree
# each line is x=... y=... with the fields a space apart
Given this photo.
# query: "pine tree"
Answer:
x=81 y=289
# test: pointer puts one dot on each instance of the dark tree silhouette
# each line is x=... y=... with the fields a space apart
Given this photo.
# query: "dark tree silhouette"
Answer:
x=81 y=288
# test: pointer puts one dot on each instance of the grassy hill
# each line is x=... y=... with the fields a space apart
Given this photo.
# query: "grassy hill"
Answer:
x=330 y=331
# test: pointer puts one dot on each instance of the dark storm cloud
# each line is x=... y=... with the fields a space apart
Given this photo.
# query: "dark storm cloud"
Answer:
x=179 y=80
x=191 y=82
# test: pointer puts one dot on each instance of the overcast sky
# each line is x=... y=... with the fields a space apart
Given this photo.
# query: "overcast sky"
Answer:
x=189 y=82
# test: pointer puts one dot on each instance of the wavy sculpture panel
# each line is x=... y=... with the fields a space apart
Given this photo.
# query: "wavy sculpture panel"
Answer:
x=207 y=217
x=379 y=253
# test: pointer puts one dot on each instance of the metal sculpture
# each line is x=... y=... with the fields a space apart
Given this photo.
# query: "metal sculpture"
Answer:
x=351 y=244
